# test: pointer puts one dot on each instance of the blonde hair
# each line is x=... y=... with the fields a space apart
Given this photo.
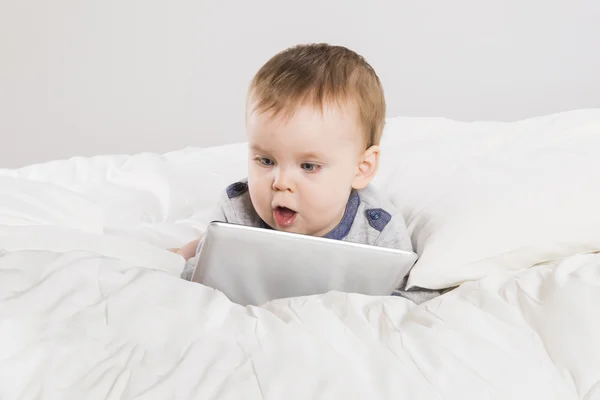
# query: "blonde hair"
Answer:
x=318 y=74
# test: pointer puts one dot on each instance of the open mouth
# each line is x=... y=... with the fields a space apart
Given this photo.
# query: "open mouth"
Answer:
x=284 y=216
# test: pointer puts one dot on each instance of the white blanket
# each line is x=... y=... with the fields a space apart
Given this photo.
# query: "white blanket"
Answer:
x=97 y=318
x=92 y=307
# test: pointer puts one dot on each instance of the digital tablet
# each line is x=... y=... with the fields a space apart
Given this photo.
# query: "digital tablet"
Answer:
x=252 y=266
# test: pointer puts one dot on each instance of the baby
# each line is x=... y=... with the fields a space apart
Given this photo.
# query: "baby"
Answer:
x=314 y=119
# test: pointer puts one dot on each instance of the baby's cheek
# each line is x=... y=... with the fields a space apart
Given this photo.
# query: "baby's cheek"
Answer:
x=323 y=204
x=257 y=197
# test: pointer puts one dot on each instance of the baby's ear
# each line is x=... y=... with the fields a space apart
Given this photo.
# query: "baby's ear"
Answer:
x=367 y=168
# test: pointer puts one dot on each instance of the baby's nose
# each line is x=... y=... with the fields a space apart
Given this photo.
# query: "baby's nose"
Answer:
x=282 y=182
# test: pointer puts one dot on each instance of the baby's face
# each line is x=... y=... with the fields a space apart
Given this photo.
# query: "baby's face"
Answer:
x=301 y=170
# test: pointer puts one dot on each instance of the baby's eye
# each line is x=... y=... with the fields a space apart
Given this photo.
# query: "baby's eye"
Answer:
x=267 y=162
x=309 y=167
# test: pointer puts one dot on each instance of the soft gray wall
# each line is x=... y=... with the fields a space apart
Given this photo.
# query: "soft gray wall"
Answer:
x=113 y=76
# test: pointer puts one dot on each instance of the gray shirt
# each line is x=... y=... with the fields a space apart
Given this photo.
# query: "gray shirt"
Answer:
x=368 y=219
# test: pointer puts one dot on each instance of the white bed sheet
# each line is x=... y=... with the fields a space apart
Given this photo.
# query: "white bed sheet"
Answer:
x=83 y=316
x=91 y=306
x=164 y=200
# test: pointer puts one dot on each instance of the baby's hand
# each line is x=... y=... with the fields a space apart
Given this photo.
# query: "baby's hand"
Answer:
x=188 y=251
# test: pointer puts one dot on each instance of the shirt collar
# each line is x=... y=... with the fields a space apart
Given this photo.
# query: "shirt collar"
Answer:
x=343 y=228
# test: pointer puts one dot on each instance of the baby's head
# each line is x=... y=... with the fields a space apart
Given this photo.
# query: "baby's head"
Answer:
x=314 y=119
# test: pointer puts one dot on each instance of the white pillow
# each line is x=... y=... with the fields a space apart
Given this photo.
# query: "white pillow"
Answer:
x=486 y=196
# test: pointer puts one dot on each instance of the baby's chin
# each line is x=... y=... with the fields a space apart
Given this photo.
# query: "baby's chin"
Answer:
x=300 y=230
x=289 y=229
x=297 y=227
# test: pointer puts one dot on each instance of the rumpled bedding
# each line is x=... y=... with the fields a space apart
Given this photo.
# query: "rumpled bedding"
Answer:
x=88 y=318
x=92 y=306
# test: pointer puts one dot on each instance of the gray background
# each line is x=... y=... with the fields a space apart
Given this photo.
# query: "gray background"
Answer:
x=113 y=76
